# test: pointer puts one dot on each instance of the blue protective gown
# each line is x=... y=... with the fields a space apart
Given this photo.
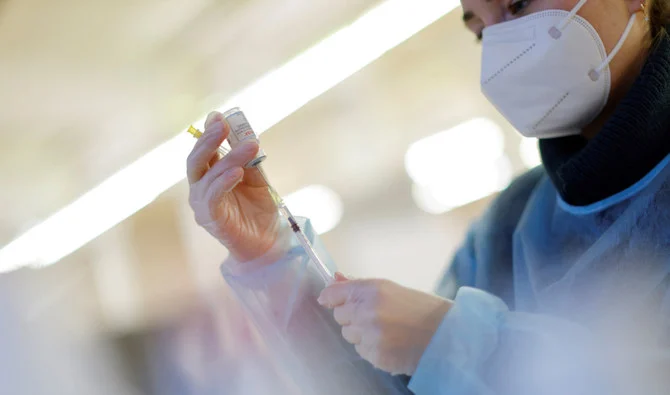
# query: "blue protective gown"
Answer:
x=550 y=297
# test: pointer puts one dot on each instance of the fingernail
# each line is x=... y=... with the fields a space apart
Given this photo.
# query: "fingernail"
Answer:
x=213 y=116
x=321 y=300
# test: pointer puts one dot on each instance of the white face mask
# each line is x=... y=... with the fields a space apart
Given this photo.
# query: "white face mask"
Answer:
x=548 y=72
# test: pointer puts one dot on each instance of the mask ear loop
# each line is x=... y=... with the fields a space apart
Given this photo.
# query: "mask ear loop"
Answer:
x=557 y=31
x=595 y=73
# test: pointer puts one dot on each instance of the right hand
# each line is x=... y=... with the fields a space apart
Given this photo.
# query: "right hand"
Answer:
x=232 y=203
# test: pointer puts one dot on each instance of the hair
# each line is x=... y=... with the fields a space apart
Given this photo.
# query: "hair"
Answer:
x=658 y=12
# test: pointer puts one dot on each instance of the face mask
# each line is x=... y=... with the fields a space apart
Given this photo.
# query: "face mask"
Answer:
x=548 y=72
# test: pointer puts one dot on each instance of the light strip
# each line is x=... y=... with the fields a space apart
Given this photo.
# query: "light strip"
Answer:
x=267 y=101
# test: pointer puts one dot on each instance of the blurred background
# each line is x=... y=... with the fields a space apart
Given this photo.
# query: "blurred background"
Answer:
x=374 y=126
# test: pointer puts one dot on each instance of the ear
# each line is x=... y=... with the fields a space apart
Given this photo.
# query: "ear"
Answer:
x=636 y=6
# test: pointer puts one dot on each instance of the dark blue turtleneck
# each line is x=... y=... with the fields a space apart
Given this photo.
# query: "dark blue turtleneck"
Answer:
x=634 y=140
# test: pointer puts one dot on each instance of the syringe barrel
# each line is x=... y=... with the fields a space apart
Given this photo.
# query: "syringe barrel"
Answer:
x=241 y=131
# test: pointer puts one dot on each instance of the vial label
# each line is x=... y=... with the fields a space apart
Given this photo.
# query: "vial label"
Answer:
x=240 y=130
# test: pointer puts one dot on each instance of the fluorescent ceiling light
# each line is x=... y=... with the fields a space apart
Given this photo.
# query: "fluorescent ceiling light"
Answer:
x=472 y=142
x=318 y=203
x=530 y=153
x=476 y=183
x=267 y=101
x=458 y=166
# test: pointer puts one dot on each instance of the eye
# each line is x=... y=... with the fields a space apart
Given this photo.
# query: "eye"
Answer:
x=517 y=7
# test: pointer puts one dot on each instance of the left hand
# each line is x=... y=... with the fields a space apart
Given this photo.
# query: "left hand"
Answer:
x=390 y=325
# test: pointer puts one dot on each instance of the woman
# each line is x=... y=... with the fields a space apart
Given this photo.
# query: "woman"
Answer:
x=563 y=285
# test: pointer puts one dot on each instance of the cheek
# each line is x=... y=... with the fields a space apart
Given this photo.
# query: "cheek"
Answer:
x=609 y=18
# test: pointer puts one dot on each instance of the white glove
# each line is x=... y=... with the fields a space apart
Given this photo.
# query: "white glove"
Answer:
x=390 y=325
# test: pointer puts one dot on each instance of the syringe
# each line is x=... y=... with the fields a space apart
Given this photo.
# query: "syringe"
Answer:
x=299 y=233
x=279 y=202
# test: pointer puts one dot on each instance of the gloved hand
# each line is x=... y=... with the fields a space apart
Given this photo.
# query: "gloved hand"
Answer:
x=232 y=203
x=390 y=325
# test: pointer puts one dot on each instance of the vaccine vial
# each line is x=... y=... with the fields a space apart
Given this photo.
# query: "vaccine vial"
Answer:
x=241 y=131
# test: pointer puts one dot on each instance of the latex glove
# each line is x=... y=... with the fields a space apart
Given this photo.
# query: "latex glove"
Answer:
x=232 y=203
x=390 y=325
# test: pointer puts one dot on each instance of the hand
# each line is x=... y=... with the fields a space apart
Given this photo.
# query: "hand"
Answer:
x=389 y=324
x=232 y=203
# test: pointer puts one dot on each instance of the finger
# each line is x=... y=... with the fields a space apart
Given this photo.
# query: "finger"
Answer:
x=339 y=293
x=352 y=334
x=345 y=314
x=213 y=117
x=204 y=151
x=238 y=157
x=225 y=183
